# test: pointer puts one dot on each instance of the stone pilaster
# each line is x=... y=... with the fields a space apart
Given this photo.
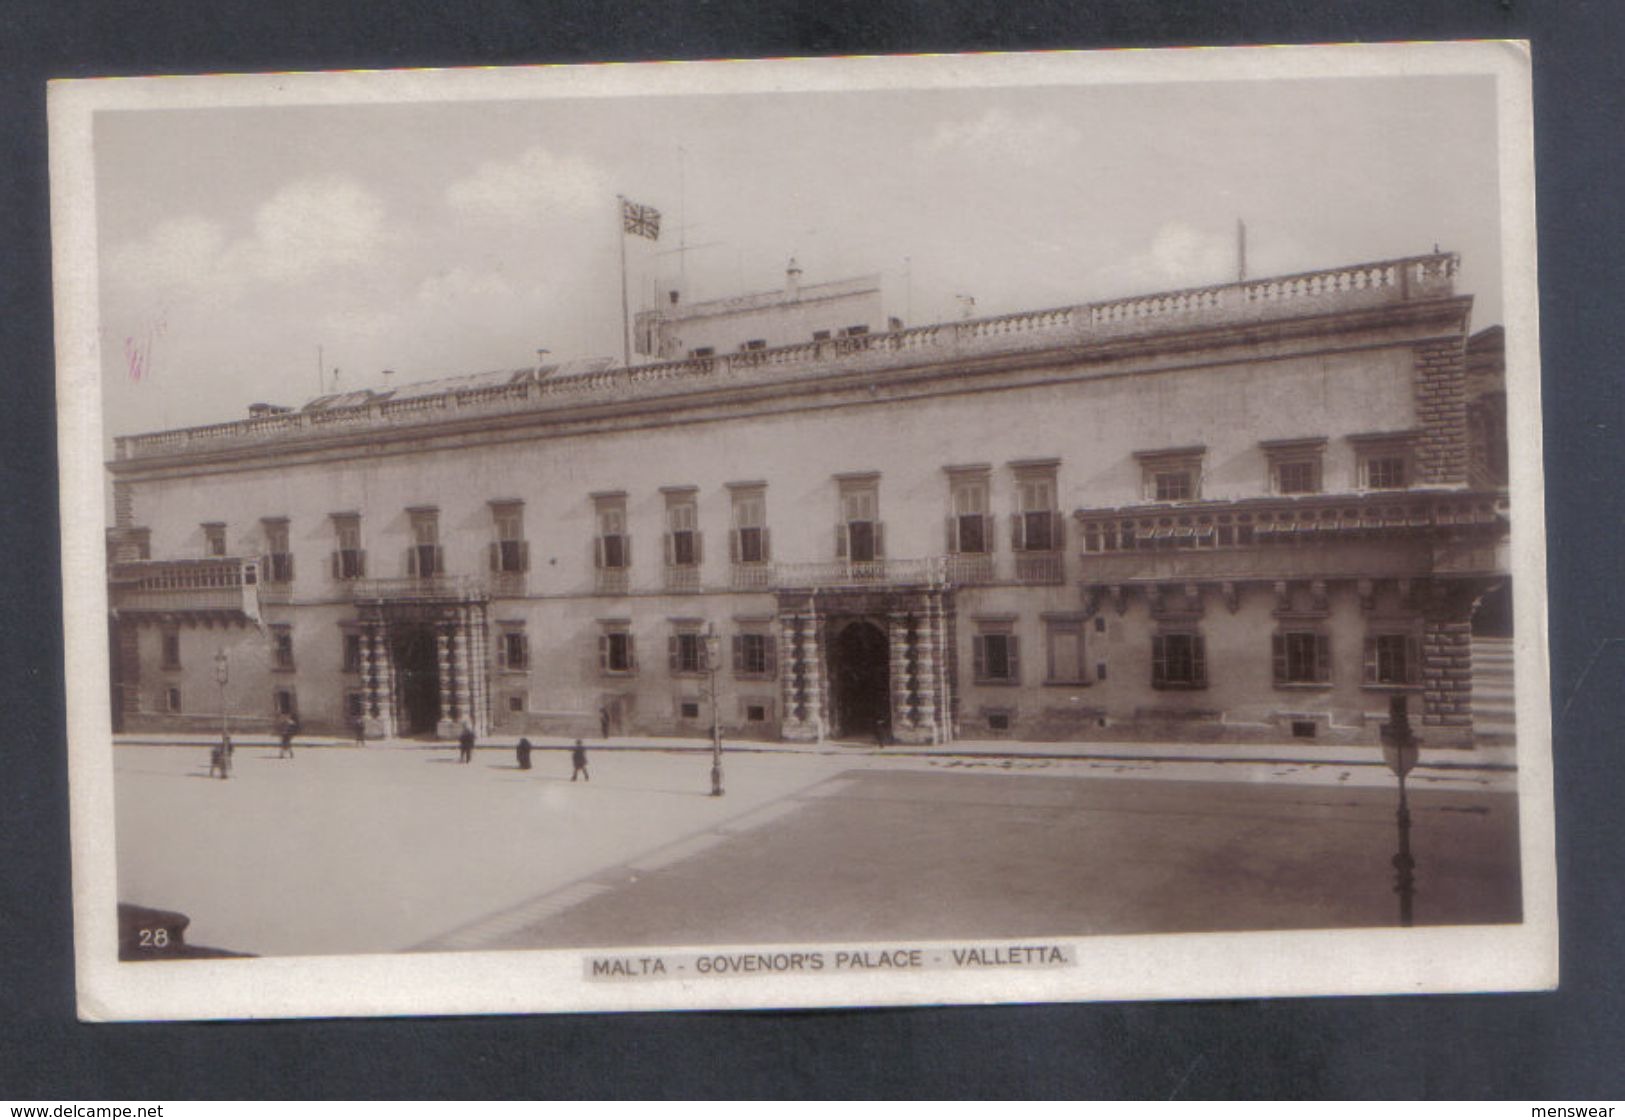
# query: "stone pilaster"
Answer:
x=802 y=661
x=1447 y=681
x=1441 y=408
x=446 y=727
x=462 y=666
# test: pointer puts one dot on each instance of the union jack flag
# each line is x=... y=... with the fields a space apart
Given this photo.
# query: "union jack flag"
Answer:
x=641 y=220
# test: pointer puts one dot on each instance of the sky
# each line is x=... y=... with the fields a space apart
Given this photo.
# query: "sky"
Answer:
x=247 y=253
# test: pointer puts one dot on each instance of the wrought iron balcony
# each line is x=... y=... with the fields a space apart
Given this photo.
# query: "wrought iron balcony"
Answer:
x=420 y=588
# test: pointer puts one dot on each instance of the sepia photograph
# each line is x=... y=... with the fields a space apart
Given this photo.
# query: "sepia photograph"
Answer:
x=819 y=532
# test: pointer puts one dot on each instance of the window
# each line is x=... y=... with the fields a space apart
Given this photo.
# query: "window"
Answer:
x=682 y=528
x=282 y=647
x=617 y=650
x=1383 y=460
x=1384 y=472
x=1302 y=657
x=748 y=543
x=282 y=702
x=996 y=655
x=510 y=552
x=1178 y=660
x=860 y=536
x=513 y=647
x=1391 y=659
x=998 y=719
x=278 y=558
x=352 y=652
x=1036 y=524
x=685 y=651
x=424 y=559
x=172 y=699
x=172 y=649
x=970 y=525
x=516 y=702
x=1064 y=641
x=613 y=548
x=753 y=654
x=702 y=352
x=1173 y=474
x=755 y=713
x=688 y=709
x=1295 y=464
x=349 y=561
x=214 y=538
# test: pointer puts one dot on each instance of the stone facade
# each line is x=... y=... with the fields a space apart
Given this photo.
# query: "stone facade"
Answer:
x=1229 y=513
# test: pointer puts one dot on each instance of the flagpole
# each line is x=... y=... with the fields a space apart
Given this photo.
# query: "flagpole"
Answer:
x=626 y=326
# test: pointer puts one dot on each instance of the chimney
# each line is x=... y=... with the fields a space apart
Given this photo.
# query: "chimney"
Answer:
x=792 y=280
x=673 y=295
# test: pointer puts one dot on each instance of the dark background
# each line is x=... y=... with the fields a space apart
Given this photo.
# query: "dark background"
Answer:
x=1565 y=1045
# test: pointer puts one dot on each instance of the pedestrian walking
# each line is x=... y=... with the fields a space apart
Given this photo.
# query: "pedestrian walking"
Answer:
x=523 y=751
x=289 y=728
x=220 y=758
x=465 y=743
x=603 y=723
x=578 y=762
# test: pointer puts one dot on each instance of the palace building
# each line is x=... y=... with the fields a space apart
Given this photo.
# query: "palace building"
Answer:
x=1244 y=512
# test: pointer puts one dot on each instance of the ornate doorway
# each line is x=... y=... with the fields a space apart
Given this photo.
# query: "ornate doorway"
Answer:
x=860 y=682
x=417 y=679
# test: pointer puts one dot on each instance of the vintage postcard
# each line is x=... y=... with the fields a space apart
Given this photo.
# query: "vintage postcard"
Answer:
x=797 y=533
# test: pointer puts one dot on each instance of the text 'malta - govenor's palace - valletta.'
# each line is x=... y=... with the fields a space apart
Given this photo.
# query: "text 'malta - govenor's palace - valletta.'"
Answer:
x=1249 y=511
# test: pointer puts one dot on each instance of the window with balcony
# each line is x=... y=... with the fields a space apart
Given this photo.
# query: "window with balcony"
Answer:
x=860 y=536
x=753 y=654
x=970 y=525
x=1172 y=474
x=1063 y=640
x=617 y=648
x=425 y=558
x=282 y=648
x=1036 y=524
x=349 y=559
x=1392 y=659
x=748 y=543
x=214 y=538
x=278 y=566
x=510 y=552
x=513 y=647
x=612 y=548
x=1178 y=660
x=1301 y=657
x=1295 y=465
x=683 y=543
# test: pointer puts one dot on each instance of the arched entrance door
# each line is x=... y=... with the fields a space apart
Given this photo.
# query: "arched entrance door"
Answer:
x=860 y=680
x=417 y=678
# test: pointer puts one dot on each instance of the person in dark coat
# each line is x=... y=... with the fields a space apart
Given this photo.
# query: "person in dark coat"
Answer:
x=288 y=730
x=578 y=762
x=523 y=751
x=465 y=744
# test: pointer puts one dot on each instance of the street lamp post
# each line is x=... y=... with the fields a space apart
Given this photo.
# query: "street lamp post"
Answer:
x=222 y=674
x=713 y=660
x=1399 y=749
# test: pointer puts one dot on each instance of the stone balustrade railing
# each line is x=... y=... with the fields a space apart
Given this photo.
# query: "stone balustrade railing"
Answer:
x=1354 y=286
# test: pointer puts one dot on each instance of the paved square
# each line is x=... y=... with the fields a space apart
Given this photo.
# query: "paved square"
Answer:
x=342 y=850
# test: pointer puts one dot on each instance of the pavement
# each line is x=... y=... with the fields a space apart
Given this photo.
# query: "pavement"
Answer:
x=385 y=848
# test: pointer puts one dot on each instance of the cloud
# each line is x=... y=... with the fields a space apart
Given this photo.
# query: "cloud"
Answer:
x=311 y=226
x=998 y=134
x=177 y=253
x=1180 y=256
x=531 y=186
